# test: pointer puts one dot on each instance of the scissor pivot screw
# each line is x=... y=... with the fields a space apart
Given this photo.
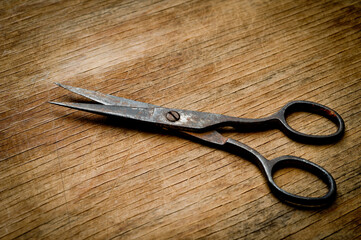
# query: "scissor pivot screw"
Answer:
x=173 y=116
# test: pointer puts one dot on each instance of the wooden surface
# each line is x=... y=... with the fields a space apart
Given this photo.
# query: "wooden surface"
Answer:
x=69 y=174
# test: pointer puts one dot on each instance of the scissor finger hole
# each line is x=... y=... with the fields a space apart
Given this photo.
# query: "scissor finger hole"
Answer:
x=300 y=182
x=311 y=123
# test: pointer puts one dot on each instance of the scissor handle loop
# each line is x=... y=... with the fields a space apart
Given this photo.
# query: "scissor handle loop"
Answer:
x=300 y=163
x=269 y=167
x=311 y=107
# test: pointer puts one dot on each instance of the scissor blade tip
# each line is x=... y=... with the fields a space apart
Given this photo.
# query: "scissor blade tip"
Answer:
x=58 y=103
x=61 y=85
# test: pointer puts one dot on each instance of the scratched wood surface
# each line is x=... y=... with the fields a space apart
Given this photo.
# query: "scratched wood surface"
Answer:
x=67 y=174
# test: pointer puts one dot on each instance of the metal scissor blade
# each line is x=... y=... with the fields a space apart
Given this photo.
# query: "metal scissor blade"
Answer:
x=106 y=99
x=141 y=114
x=187 y=120
x=210 y=137
x=126 y=108
x=135 y=113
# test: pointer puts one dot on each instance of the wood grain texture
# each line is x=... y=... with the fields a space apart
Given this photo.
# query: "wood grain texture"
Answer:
x=72 y=175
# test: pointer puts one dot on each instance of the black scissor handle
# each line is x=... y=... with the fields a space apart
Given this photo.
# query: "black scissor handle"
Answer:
x=311 y=107
x=269 y=167
x=300 y=163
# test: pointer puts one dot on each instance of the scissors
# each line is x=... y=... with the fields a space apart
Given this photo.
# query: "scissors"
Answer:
x=203 y=126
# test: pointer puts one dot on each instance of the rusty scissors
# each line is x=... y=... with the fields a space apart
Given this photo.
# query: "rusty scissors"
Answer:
x=202 y=126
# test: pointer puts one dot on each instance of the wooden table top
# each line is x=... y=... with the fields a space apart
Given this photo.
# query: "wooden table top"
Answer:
x=71 y=174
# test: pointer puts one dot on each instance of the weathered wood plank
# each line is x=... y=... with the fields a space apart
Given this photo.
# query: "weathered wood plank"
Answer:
x=69 y=174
